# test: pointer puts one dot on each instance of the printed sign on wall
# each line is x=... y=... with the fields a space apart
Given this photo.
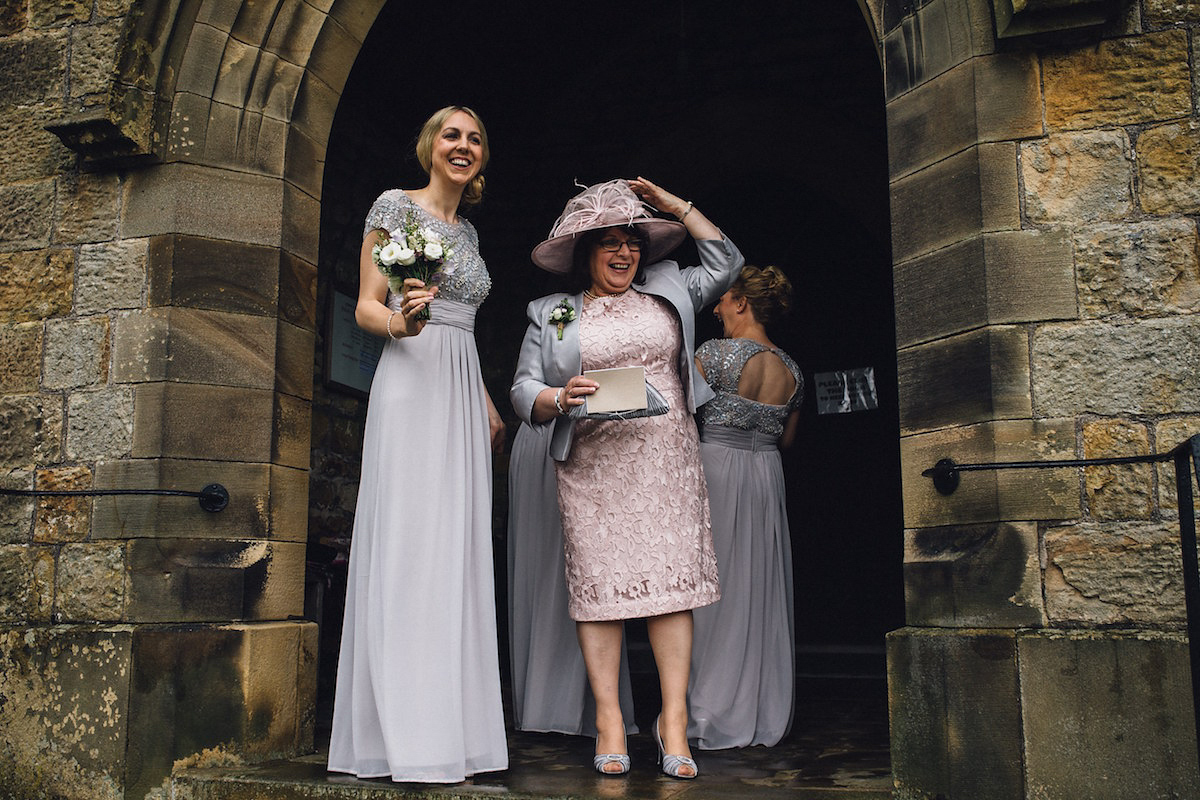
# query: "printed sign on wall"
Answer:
x=846 y=390
x=353 y=353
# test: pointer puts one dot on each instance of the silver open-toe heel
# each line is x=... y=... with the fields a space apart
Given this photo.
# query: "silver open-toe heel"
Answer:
x=672 y=764
x=604 y=759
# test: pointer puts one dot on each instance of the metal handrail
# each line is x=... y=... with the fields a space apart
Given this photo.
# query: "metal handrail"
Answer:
x=946 y=476
x=213 y=498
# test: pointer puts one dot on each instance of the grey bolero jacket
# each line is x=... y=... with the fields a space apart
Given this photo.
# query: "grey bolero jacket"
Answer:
x=546 y=361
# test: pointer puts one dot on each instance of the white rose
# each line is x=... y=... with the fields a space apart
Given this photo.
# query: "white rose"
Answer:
x=389 y=254
x=433 y=250
x=431 y=235
x=405 y=256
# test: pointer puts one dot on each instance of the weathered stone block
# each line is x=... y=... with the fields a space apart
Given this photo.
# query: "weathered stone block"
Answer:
x=1169 y=433
x=1082 y=177
x=230 y=689
x=214 y=274
x=207 y=202
x=956 y=738
x=33 y=430
x=193 y=346
x=198 y=580
x=87 y=208
x=292 y=431
x=297 y=292
x=294 y=30
x=314 y=104
x=63 y=519
x=100 y=423
x=289 y=504
x=34 y=67
x=294 y=360
x=35 y=285
x=1114 y=573
x=91 y=582
x=1118 y=368
x=305 y=163
x=111 y=275
x=1171 y=12
x=1168 y=160
x=999 y=278
x=202 y=63
x=987 y=99
x=220 y=423
x=301 y=223
x=20 y=357
x=142 y=516
x=55 y=13
x=76 y=352
x=14 y=16
x=1141 y=269
x=970 y=576
x=188 y=130
x=937 y=35
x=26 y=583
x=16 y=513
x=1107 y=714
x=94 y=51
x=1119 y=491
x=963 y=196
x=63 y=729
x=991 y=495
x=1122 y=81
x=973 y=377
x=29 y=152
x=28 y=213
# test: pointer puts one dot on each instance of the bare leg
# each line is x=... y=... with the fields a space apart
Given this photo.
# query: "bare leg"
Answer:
x=671 y=641
x=601 y=646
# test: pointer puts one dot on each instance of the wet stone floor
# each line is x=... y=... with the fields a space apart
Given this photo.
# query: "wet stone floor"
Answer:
x=838 y=748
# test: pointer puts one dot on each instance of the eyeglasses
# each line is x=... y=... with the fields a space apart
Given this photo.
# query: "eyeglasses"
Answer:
x=613 y=244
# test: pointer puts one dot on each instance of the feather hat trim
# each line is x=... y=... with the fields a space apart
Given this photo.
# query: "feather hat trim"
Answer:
x=605 y=205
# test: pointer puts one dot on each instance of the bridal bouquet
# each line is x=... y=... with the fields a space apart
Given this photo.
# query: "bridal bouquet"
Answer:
x=411 y=251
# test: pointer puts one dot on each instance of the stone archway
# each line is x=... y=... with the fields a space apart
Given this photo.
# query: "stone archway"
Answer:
x=201 y=138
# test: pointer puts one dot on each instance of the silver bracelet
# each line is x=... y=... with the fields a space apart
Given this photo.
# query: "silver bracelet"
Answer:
x=686 y=212
x=389 y=327
x=557 y=404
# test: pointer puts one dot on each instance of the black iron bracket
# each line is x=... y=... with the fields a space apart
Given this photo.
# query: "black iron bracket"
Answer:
x=1186 y=455
x=213 y=497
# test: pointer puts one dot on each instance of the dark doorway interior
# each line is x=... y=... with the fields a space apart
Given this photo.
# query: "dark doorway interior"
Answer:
x=770 y=118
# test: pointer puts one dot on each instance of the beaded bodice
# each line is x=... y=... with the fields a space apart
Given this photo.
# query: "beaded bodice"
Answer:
x=465 y=277
x=723 y=361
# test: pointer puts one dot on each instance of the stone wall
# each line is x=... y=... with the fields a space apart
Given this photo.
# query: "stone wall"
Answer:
x=157 y=316
x=1047 y=267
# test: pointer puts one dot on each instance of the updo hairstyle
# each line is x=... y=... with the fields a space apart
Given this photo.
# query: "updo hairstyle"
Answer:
x=767 y=290
x=433 y=126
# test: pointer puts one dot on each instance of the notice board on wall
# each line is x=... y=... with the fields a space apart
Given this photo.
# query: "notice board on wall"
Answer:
x=351 y=353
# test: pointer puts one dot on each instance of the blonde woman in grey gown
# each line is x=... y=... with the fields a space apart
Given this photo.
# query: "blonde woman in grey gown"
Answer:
x=742 y=680
x=418 y=680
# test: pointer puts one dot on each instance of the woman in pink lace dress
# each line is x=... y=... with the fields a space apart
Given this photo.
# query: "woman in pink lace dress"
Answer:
x=636 y=529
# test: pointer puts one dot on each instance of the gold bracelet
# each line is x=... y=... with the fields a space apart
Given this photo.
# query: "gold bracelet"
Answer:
x=389 y=327
x=687 y=211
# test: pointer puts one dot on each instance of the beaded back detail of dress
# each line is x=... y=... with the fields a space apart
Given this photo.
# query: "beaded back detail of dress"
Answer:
x=467 y=280
x=723 y=361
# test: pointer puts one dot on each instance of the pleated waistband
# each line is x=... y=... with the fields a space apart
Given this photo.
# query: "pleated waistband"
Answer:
x=737 y=438
x=443 y=311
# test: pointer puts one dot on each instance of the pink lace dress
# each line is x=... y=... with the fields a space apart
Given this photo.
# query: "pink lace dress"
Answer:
x=636 y=533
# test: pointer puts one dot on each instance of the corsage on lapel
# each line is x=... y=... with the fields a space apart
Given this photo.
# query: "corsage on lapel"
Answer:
x=561 y=314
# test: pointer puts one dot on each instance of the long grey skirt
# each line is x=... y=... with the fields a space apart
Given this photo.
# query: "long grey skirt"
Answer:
x=743 y=663
x=550 y=688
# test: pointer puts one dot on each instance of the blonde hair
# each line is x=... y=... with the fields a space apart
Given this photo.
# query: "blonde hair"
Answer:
x=767 y=290
x=429 y=131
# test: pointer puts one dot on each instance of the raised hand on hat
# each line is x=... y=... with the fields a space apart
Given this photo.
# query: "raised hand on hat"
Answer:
x=696 y=223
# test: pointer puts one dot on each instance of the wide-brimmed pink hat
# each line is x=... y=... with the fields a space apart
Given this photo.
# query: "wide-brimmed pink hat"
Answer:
x=603 y=206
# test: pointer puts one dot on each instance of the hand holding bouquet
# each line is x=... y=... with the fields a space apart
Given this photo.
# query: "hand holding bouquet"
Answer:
x=411 y=251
